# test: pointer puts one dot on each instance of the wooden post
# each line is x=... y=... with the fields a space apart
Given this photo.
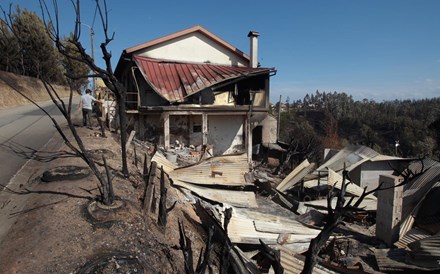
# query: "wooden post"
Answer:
x=130 y=138
x=146 y=165
x=162 y=200
x=148 y=194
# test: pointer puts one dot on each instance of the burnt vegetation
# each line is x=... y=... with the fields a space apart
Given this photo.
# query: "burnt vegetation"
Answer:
x=333 y=120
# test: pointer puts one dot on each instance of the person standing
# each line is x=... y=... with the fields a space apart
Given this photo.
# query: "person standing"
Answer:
x=86 y=105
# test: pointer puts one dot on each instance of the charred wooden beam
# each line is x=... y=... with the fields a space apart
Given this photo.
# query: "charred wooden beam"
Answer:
x=273 y=256
x=149 y=185
x=228 y=216
x=202 y=264
x=163 y=210
x=135 y=156
x=234 y=260
x=145 y=170
x=108 y=194
x=185 y=246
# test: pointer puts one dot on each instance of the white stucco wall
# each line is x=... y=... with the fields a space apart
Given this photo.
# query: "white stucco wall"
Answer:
x=269 y=134
x=194 y=47
x=225 y=132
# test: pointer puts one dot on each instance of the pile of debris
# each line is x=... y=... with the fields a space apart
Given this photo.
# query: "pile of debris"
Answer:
x=267 y=225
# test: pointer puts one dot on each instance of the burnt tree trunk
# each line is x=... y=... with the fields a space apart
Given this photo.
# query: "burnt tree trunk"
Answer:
x=162 y=200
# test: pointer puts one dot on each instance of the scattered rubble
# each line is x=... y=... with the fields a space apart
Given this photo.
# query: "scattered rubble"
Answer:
x=260 y=222
x=288 y=224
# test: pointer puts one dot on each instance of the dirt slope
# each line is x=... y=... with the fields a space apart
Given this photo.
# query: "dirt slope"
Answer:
x=54 y=233
x=32 y=87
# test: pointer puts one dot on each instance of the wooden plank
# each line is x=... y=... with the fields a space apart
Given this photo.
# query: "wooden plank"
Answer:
x=290 y=226
x=130 y=138
x=303 y=173
x=284 y=183
x=321 y=205
x=336 y=180
x=231 y=197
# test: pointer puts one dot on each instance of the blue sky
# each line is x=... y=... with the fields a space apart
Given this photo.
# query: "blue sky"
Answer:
x=376 y=49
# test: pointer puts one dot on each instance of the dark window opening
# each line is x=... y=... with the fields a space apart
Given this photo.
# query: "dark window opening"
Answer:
x=197 y=128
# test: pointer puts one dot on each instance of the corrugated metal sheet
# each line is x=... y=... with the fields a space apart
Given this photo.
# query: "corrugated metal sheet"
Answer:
x=390 y=260
x=302 y=169
x=242 y=227
x=432 y=175
x=413 y=235
x=284 y=226
x=225 y=170
x=321 y=205
x=426 y=249
x=417 y=188
x=293 y=265
x=162 y=161
x=351 y=156
x=175 y=80
x=236 y=198
x=334 y=179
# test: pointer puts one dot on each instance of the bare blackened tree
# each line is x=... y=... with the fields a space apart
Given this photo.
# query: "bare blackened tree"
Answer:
x=66 y=110
x=50 y=16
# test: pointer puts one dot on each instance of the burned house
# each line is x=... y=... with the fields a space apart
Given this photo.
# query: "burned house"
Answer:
x=193 y=88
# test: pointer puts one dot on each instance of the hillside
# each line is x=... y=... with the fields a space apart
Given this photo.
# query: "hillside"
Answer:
x=405 y=128
x=11 y=83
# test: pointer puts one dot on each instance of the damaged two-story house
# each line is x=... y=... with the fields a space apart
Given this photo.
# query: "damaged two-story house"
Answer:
x=193 y=88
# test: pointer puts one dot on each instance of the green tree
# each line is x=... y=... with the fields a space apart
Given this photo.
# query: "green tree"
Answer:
x=38 y=55
x=9 y=50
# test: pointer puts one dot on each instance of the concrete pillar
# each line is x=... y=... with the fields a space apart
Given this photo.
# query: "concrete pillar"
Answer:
x=389 y=209
x=166 y=130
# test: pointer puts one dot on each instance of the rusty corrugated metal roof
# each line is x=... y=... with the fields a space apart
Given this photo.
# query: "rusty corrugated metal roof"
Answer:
x=176 y=80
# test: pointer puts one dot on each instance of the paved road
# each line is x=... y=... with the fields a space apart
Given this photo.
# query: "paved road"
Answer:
x=22 y=130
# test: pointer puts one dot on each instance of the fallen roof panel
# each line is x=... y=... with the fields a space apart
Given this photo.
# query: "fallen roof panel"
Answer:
x=244 y=222
x=298 y=173
x=294 y=265
x=231 y=197
x=228 y=170
x=162 y=161
x=413 y=235
x=390 y=260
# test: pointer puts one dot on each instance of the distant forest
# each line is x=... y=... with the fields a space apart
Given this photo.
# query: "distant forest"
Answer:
x=404 y=128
